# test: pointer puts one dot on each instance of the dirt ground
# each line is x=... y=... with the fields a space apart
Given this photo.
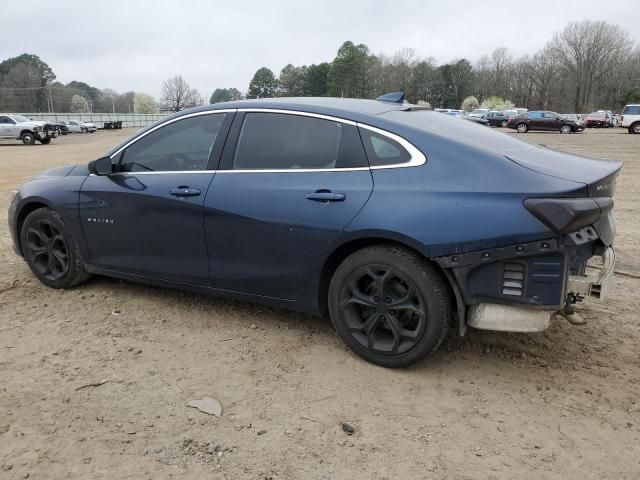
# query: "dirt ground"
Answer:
x=562 y=404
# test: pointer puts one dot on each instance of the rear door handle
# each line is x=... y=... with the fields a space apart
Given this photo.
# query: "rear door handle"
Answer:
x=184 y=192
x=326 y=196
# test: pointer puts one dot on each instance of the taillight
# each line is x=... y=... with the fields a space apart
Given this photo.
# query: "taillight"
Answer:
x=622 y=118
x=565 y=215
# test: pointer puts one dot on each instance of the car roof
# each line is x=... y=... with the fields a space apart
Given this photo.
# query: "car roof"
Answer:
x=341 y=107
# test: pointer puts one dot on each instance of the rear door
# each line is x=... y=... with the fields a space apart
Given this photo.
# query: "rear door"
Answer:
x=7 y=127
x=288 y=185
x=146 y=217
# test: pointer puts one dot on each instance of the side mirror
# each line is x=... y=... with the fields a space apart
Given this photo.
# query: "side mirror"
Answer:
x=101 y=166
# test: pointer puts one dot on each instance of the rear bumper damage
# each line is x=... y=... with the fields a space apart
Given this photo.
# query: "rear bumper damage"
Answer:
x=520 y=287
x=519 y=318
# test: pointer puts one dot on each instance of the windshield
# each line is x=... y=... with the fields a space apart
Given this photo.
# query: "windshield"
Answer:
x=21 y=118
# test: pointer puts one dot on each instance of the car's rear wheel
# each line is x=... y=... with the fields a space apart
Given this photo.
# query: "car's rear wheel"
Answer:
x=566 y=129
x=635 y=128
x=28 y=138
x=503 y=124
x=522 y=128
x=389 y=305
x=51 y=251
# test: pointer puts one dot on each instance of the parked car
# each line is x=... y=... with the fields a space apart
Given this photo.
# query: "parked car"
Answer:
x=576 y=117
x=630 y=118
x=19 y=127
x=510 y=113
x=496 y=119
x=549 y=121
x=479 y=112
x=62 y=128
x=76 y=126
x=601 y=119
x=398 y=222
x=461 y=114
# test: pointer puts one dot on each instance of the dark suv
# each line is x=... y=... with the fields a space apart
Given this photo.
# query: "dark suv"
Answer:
x=537 y=120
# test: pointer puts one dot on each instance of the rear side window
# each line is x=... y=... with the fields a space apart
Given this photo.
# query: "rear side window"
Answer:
x=179 y=146
x=534 y=115
x=382 y=150
x=276 y=141
x=631 y=110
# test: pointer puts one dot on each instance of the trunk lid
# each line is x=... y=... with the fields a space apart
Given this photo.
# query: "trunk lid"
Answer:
x=598 y=175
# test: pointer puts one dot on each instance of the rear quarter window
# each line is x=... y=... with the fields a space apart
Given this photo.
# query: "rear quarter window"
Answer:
x=382 y=150
x=631 y=110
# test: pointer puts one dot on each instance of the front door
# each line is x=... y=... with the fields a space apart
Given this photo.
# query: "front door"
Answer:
x=288 y=188
x=146 y=217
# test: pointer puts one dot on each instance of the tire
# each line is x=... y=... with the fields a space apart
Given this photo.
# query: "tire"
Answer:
x=635 y=128
x=503 y=124
x=28 y=138
x=566 y=129
x=522 y=128
x=45 y=141
x=389 y=305
x=51 y=251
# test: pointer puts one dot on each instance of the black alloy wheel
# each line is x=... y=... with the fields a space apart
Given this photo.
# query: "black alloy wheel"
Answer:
x=47 y=250
x=383 y=310
x=50 y=250
x=389 y=305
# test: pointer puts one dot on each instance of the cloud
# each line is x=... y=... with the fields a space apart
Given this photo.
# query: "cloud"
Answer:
x=135 y=45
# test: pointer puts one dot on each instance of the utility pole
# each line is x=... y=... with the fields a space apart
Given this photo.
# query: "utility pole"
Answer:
x=50 y=101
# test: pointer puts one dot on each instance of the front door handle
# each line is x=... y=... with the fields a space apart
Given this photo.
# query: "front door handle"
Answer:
x=326 y=196
x=183 y=191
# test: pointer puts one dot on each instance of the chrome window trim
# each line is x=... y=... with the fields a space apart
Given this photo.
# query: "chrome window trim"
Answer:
x=168 y=122
x=417 y=158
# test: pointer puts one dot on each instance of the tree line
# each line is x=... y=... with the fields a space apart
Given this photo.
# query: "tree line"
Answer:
x=587 y=65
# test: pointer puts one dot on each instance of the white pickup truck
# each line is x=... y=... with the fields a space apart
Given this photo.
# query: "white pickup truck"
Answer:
x=19 y=127
x=630 y=118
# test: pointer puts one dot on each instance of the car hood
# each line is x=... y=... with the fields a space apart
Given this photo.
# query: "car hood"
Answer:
x=33 y=123
x=75 y=170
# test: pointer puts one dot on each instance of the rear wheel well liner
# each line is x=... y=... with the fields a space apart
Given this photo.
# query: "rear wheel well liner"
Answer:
x=343 y=251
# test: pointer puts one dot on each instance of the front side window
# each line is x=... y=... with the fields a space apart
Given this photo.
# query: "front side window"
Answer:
x=6 y=120
x=179 y=146
x=276 y=141
x=382 y=150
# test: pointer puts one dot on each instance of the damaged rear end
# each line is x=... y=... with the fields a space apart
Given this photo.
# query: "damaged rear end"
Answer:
x=540 y=278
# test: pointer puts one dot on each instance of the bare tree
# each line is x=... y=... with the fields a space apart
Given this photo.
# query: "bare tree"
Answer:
x=177 y=95
x=589 y=50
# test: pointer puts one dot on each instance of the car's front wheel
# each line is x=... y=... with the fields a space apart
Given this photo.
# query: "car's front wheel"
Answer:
x=522 y=128
x=51 y=251
x=28 y=138
x=389 y=305
x=566 y=129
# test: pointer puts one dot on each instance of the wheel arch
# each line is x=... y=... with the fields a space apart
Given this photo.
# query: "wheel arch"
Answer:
x=342 y=251
x=26 y=130
x=25 y=209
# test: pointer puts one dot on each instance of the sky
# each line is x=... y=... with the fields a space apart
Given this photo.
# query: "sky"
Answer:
x=136 y=44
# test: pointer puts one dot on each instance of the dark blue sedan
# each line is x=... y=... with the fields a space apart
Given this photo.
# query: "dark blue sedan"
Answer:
x=402 y=224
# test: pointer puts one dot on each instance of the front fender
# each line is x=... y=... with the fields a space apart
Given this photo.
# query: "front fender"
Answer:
x=60 y=194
